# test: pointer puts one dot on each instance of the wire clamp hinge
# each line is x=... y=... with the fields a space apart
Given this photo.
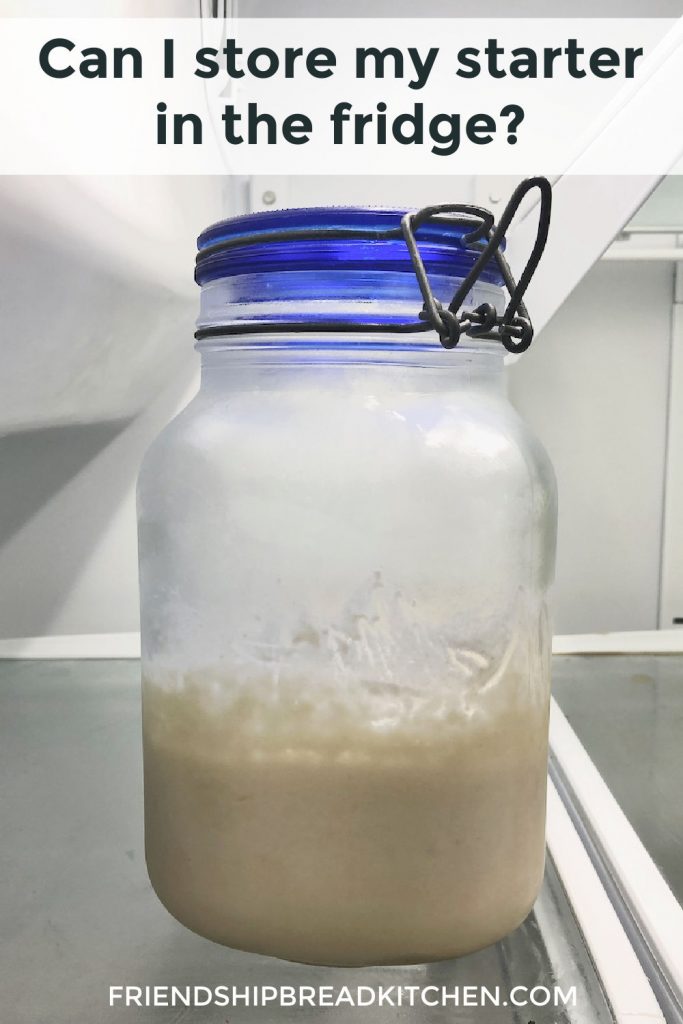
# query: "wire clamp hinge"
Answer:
x=513 y=328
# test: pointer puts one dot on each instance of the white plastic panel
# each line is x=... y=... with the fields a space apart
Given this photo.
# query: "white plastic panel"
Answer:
x=97 y=293
x=671 y=603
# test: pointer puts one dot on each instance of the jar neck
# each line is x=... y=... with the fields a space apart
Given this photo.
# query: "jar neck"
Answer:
x=353 y=296
x=470 y=365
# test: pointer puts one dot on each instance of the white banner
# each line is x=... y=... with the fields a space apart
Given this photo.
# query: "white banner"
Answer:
x=343 y=96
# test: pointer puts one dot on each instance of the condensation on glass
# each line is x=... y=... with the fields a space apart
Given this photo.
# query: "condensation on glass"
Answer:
x=346 y=542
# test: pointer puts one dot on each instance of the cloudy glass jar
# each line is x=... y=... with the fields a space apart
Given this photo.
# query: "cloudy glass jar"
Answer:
x=346 y=542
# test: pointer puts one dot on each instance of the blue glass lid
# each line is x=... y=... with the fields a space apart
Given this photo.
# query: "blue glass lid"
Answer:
x=442 y=246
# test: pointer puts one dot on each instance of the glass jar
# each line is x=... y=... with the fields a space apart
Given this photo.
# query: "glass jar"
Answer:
x=346 y=542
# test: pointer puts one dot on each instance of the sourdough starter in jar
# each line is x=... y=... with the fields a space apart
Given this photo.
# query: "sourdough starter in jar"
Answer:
x=330 y=827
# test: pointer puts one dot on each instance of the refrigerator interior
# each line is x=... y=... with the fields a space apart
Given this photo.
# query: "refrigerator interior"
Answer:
x=98 y=305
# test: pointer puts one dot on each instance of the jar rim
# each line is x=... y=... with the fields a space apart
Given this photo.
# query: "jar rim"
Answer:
x=443 y=246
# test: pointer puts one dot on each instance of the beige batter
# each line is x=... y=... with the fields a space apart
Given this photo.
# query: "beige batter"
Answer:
x=326 y=838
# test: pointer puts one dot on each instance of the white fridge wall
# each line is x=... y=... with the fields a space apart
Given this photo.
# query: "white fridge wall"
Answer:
x=350 y=9
x=671 y=605
x=96 y=293
x=463 y=9
x=594 y=387
x=68 y=551
x=98 y=306
x=102 y=9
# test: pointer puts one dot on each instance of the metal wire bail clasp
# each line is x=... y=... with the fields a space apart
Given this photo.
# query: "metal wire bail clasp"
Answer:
x=513 y=328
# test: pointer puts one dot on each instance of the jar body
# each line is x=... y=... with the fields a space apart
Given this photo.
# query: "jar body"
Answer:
x=344 y=564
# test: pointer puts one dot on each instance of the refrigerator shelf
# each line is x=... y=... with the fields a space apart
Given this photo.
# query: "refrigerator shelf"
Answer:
x=80 y=915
